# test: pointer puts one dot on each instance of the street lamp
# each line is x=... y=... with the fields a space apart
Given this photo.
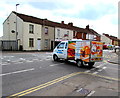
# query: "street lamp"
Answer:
x=16 y=25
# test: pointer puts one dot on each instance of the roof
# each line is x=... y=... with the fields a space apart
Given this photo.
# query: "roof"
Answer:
x=111 y=37
x=47 y=22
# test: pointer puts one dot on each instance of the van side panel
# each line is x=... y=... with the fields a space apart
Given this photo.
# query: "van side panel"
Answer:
x=85 y=51
x=71 y=50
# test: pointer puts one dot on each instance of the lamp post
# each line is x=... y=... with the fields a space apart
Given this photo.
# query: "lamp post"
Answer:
x=16 y=25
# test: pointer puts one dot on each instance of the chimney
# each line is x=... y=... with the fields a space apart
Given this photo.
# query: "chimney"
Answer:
x=62 y=22
x=87 y=27
x=70 y=24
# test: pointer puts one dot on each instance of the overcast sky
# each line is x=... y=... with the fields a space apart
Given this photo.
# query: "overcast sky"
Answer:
x=101 y=15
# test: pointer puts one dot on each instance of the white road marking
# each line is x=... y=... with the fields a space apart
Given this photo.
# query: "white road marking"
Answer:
x=22 y=59
x=87 y=71
x=104 y=67
x=5 y=64
x=93 y=69
x=35 y=59
x=17 y=72
x=49 y=56
x=56 y=64
x=92 y=92
x=100 y=69
x=79 y=90
x=47 y=59
x=101 y=65
x=95 y=72
x=29 y=61
x=18 y=62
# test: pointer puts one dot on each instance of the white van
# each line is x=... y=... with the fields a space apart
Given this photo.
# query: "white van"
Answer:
x=84 y=52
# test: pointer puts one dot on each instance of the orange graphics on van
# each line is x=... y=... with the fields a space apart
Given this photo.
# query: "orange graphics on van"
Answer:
x=71 y=50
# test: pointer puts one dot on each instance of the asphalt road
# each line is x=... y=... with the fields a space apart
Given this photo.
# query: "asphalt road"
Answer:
x=23 y=71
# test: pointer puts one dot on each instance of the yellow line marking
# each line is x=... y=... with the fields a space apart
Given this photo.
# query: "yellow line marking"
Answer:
x=105 y=61
x=28 y=91
x=115 y=79
x=46 y=84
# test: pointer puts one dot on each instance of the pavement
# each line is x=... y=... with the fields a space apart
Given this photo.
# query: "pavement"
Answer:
x=76 y=86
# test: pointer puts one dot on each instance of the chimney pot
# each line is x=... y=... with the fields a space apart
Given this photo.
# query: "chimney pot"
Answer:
x=70 y=24
x=87 y=27
x=62 y=22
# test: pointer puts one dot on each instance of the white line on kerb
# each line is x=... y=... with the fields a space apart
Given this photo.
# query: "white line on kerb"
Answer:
x=17 y=72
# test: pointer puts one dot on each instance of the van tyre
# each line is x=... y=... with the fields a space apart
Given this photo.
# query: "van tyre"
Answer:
x=91 y=64
x=79 y=63
x=55 y=58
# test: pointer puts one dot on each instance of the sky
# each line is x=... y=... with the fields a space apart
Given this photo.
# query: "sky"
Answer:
x=101 y=15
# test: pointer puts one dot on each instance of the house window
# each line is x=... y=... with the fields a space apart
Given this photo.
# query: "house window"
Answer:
x=91 y=36
x=74 y=34
x=68 y=33
x=31 y=28
x=31 y=42
x=46 y=30
x=46 y=43
x=58 y=32
x=87 y=36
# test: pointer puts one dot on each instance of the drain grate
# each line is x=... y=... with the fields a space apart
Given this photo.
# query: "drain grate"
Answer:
x=83 y=91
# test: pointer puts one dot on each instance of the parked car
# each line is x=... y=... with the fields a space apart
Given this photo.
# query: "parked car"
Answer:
x=105 y=46
x=111 y=47
x=117 y=48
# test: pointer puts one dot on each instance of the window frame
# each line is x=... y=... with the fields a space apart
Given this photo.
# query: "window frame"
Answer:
x=58 y=33
x=46 y=43
x=46 y=30
x=31 y=42
x=58 y=47
x=31 y=28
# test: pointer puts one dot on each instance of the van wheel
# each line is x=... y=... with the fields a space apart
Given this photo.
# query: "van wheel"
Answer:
x=55 y=58
x=79 y=63
x=91 y=64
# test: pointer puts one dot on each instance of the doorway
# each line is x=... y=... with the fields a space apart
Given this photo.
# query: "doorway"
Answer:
x=38 y=44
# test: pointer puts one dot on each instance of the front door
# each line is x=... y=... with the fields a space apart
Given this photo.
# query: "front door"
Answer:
x=61 y=50
x=38 y=44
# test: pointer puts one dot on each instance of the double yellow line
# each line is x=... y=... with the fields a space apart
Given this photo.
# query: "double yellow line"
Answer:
x=28 y=91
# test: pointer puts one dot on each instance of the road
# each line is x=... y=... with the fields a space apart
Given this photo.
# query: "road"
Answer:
x=36 y=74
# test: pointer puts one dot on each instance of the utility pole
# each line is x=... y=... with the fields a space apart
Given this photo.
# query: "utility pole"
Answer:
x=16 y=26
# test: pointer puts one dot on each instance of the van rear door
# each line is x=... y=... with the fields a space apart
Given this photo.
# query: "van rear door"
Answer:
x=96 y=51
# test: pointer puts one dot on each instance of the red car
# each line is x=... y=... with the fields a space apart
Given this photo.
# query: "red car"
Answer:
x=105 y=46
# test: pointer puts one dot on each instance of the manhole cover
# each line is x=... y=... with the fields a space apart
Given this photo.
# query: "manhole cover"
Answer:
x=83 y=91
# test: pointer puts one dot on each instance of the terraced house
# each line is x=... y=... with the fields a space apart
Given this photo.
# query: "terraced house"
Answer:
x=24 y=32
x=109 y=39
